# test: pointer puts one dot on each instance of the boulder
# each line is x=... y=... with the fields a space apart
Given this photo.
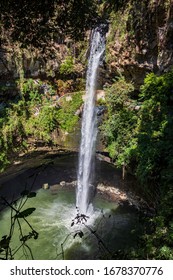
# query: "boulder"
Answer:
x=45 y=186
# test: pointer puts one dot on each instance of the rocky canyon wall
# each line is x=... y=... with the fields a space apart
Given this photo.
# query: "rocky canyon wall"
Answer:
x=140 y=39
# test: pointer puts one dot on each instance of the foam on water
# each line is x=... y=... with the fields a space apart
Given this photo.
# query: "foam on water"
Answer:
x=52 y=219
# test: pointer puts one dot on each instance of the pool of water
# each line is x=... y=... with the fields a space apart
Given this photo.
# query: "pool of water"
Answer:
x=110 y=228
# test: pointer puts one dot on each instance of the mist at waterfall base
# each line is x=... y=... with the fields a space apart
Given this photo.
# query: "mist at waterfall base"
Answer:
x=115 y=226
x=85 y=188
x=110 y=227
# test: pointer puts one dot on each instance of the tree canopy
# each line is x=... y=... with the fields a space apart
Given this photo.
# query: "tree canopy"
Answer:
x=35 y=22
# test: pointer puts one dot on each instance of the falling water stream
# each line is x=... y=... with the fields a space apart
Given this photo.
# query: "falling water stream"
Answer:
x=89 y=127
x=54 y=213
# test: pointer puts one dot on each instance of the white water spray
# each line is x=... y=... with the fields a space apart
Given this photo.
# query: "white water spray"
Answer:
x=89 y=127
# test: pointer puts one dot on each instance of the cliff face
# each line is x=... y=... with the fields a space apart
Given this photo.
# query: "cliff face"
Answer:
x=140 y=39
x=41 y=63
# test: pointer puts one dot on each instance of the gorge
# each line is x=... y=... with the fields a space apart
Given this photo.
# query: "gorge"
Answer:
x=44 y=53
x=66 y=228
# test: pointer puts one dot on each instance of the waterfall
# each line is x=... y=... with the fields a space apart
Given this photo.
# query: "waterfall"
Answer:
x=85 y=177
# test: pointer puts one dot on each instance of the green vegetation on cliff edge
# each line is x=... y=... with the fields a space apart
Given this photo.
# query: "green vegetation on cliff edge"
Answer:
x=139 y=136
x=137 y=129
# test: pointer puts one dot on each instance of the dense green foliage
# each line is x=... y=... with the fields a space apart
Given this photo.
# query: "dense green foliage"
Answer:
x=155 y=153
x=34 y=116
x=37 y=22
x=66 y=115
x=155 y=126
x=119 y=126
x=67 y=66
x=137 y=130
x=141 y=138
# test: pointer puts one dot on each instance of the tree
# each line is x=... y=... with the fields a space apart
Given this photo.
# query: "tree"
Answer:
x=118 y=129
x=36 y=22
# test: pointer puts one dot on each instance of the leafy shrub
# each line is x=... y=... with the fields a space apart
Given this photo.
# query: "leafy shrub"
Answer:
x=66 y=115
x=67 y=66
x=42 y=125
x=34 y=116
x=154 y=126
x=118 y=129
x=144 y=138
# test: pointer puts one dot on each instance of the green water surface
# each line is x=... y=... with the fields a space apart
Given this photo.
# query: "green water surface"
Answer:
x=110 y=228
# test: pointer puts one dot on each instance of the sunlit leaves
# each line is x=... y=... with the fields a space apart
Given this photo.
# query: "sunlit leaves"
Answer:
x=118 y=129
